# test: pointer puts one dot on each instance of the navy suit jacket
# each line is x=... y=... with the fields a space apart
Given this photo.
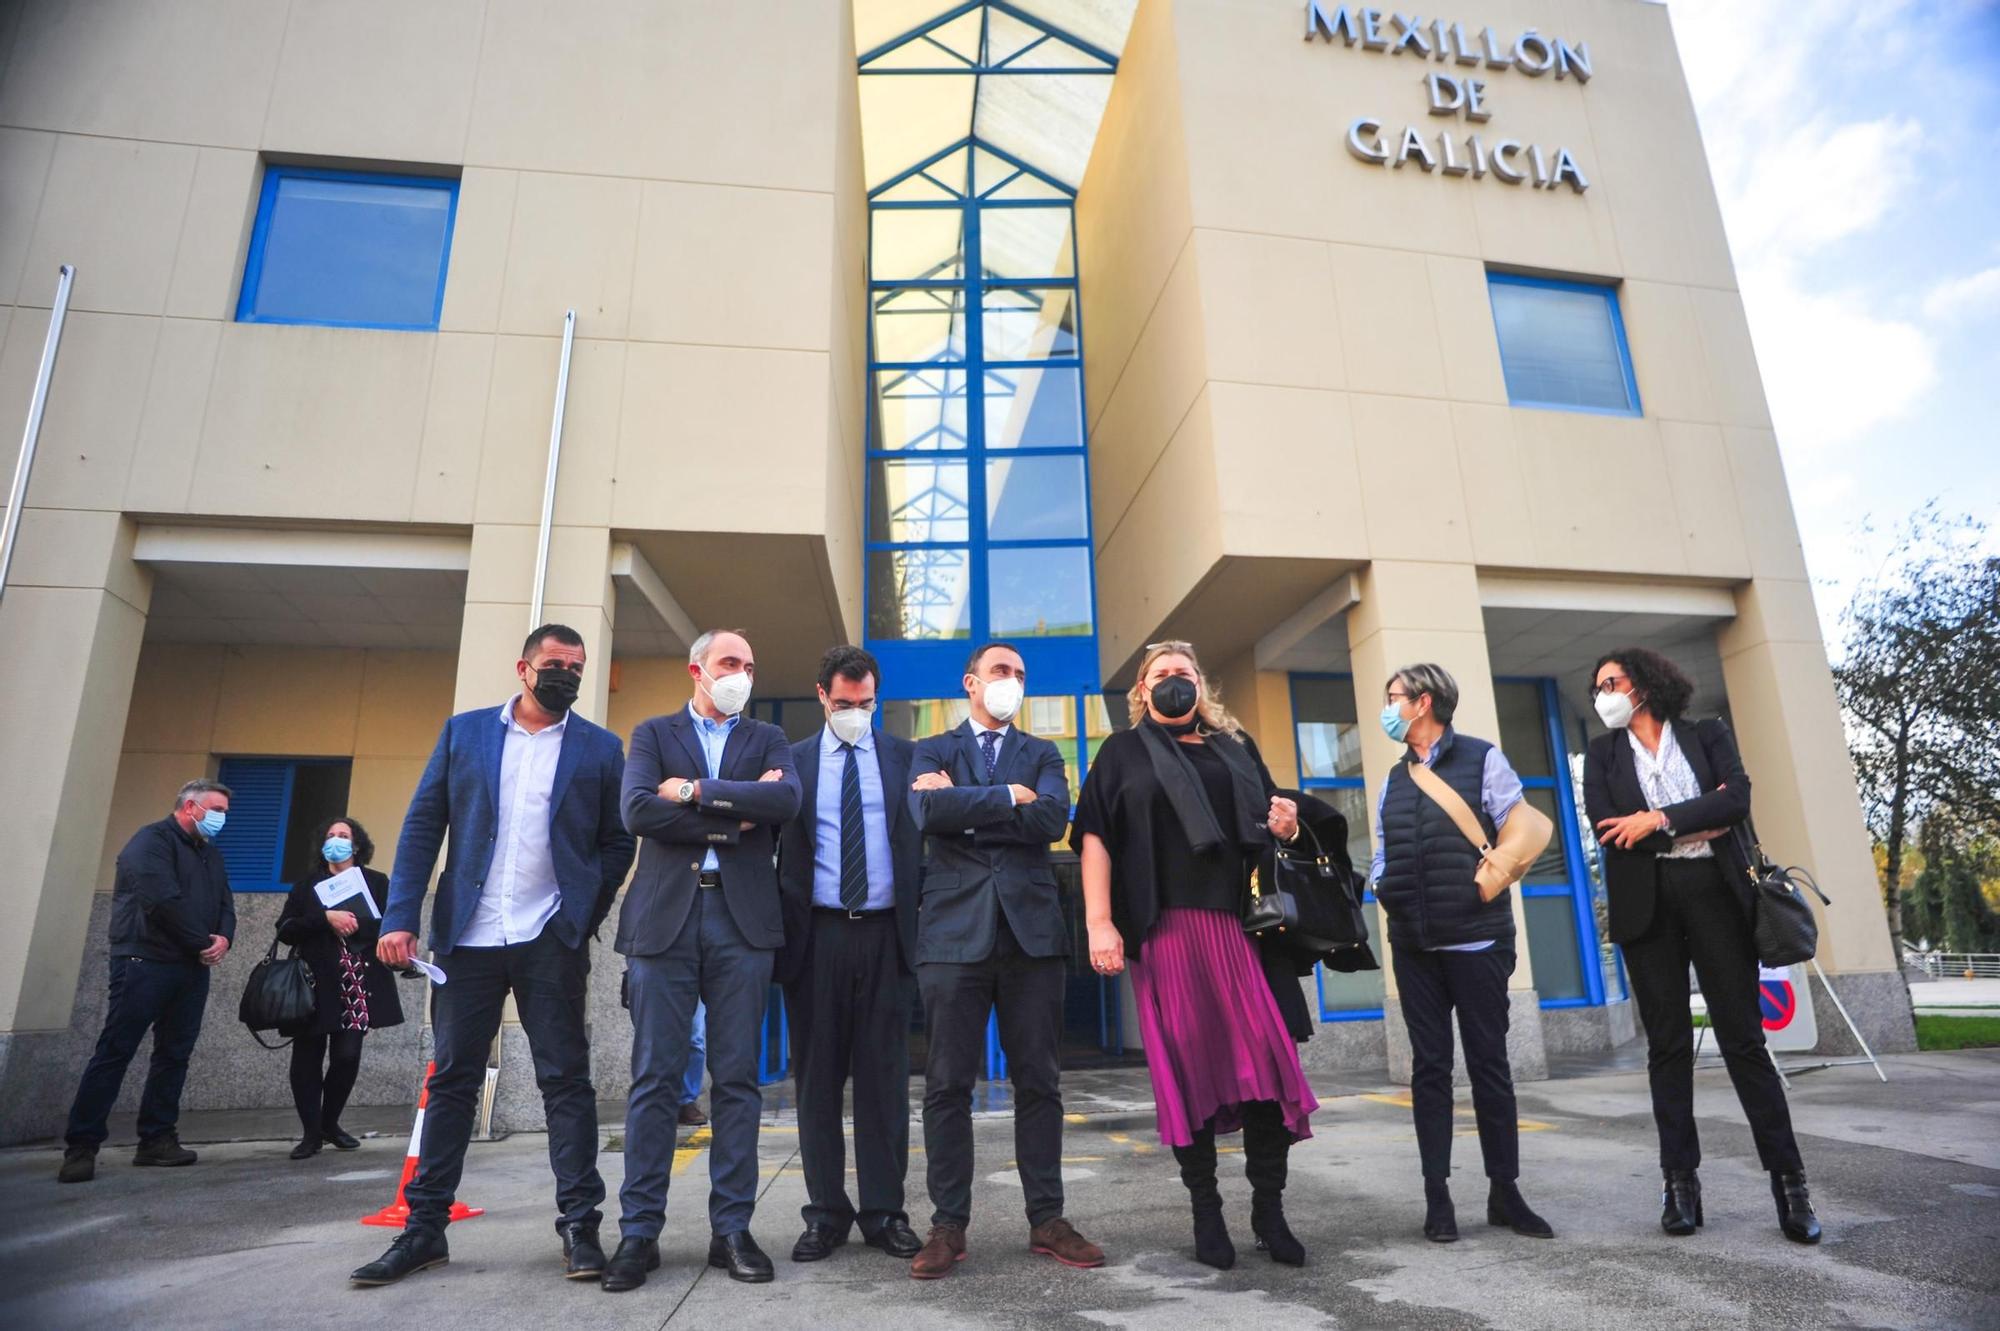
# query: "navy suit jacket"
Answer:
x=796 y=850
x=460 y=792
x=674 y=838
x=986 y=853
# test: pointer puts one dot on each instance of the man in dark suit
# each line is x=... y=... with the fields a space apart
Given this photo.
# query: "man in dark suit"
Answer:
x=529 y=793
x=706 y=791
x=848 y=868
x=991 y=936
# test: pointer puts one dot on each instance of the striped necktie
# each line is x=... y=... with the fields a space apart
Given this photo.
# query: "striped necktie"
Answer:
x=853 y=836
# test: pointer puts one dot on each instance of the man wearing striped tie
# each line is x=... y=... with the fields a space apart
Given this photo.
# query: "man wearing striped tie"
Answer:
x=848 y=867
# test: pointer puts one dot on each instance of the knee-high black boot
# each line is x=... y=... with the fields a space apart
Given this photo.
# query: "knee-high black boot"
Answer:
x=1211 y=1236
x=1267 y=1146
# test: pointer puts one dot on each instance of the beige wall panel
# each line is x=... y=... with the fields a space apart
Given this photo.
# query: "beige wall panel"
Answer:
x=1705 y=500
x=1408 y=464
x=288 y=702
x=113 y=208
x=1388 y=323
x=192 y=73
x=86 y=548
x=502 y=566
x=698 y=421
x=734 y=267
x=1666 y=351
x=377 y=79
x=481 y=231
x=593 y=622
x=288 y=397
x=1410 y=594
x=144 y=793
x=378 y=793
x=405 y=697
x=648 y=686
x=514 y=446
x=841 y=554
x=1732 y=360
x=1496 y=491
x=571 y=247
x=1770 y=529
x=1164 y=546
x=1154 y=394
x=489 y=645
x=1776 y=610
x=21 y=335
x=579 y=567
x=454 y=441
x=1582 y=473
x=175 y=694
x=1286 y=477
x=1467 y=344
x=1652 y=168
x=215 y=235
x=25 y=156
x=89 y=427
x=585 y=475
x=1268 y=309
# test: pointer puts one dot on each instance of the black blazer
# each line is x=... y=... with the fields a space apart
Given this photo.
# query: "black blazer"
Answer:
x=674 y=838
x=1611 y=789
x=796 y=850
x=986 y=854
x=302 y=923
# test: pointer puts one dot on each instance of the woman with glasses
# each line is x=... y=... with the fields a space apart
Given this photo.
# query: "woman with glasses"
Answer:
x=1665 y=795
x=1174 y=815
x=1452 y=949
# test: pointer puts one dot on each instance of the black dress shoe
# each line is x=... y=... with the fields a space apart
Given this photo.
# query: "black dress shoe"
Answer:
x=1680 y=1202
x=79 y=1165
x=305 y=1150
x=897 y=1239
x=1795 y=1209
x=738 y=1254
x=1440 y=1217
x=1507 y=1208
x=628 y=1266
x=583 y=1259
x=411 y=1251
x=339 y=1140
x=165 y=1149
x=817 y=1243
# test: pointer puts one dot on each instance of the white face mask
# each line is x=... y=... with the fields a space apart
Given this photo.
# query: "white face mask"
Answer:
x=851 y=725
x=1003 y=698
x=731 y=693
x=1615 y=709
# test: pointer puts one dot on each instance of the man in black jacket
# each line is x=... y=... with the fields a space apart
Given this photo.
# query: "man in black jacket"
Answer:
x=172 y=919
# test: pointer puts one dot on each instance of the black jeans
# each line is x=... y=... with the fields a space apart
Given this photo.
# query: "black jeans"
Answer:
x=1431 y=985
x=1028 y=993
x=167 y=997
x=320 y=1095
x=547 y=981
x=1697 y=919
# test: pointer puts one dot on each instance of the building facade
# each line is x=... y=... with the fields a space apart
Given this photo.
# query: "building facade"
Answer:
x=1078 y=322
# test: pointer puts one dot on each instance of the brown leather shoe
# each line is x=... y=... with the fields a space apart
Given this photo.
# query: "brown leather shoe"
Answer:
x=691 y=1115
x=944 y=1249
x=1058 y=1238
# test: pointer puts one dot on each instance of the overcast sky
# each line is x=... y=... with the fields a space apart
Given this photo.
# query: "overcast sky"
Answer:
x=1854 y=149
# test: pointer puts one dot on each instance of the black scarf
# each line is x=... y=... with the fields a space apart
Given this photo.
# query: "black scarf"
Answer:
x=1176 y=775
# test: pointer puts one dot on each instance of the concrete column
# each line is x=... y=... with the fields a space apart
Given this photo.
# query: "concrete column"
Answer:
x=74 y=612
x=1409 y=612
x=1787 y=720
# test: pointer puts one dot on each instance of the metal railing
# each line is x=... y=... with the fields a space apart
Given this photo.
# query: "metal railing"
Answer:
x=1955 y=965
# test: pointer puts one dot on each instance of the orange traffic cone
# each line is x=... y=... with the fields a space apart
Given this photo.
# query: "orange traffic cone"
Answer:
x=397 y=1213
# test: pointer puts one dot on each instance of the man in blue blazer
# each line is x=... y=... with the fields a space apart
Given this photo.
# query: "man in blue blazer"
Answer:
x=991 y=937
x=848 y=868
x=706 y=791
x=529 y=793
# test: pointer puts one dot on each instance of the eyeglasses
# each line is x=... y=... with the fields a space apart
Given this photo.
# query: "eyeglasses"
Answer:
x=1171 y=645
x=1396 y=697
x=1609 y=684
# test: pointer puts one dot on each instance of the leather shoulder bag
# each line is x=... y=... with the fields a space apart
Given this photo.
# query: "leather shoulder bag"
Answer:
x=278 y=995
x=1781 y=919
x=1309 y=900
x=1523 y=837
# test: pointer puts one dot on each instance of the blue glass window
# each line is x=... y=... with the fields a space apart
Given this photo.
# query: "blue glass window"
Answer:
x=275 y=806
x=1562 y=345
x=348 y=248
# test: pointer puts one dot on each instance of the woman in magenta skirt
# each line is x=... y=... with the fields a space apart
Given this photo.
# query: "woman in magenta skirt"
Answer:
x=1174 y=815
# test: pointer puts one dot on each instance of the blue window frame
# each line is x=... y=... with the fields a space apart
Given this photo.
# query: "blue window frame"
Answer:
x=275 y=805
x=349 y=249
x=1326 y=736
x=1562 y=345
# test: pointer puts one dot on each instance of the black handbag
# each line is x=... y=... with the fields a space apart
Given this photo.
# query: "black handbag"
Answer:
x=1310 y=900
x=1781 y=919
x=278 y=995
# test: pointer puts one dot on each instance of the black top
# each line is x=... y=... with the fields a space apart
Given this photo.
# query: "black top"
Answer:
x=303 y=924
x=171 y=893
x=1427 y=889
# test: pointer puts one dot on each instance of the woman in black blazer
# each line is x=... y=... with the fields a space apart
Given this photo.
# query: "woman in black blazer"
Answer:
x=354 y=992
x=1665 y=796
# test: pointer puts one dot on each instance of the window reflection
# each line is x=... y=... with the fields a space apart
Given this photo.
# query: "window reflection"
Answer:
x=918 y=499
x=920 y=324
x=917 y=594
x=1328 y=737
x=1025 y=242
x=1034 y=408
x=919 y=409
x=917 y=718
x=1524 y=733
x=1039 y=593
x=1035 y=499
x=1030 y=323
x=926 y=244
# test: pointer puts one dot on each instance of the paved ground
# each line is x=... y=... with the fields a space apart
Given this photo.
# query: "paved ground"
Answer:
x=1907 y=1176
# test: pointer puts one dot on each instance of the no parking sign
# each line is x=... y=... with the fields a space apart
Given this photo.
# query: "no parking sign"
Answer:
x=1786 y=1000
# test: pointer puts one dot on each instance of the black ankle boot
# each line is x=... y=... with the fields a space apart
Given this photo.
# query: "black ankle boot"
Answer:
x=1440 y=1217
x=1680 y=1202
x=1505 y=1206
x=1267 y=1148
x=1795 y=1209
x=1211 y=1236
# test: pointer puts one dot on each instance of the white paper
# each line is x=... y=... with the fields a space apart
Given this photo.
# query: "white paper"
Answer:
x=343 y=885
x=424 y=968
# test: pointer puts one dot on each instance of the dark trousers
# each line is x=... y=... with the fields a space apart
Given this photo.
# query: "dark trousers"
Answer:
x=710 y=962
x=1697 y=919
x=850 y=1015
x=1431 y=985
x=547 y=981
x=166 y=997
x=323 y=1071
x=1028 y=994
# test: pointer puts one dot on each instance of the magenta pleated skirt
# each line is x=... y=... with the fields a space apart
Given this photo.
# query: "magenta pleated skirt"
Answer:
x=1215 y=1040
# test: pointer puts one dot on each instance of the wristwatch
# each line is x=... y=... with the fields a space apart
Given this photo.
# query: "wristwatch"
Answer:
x=685 y=794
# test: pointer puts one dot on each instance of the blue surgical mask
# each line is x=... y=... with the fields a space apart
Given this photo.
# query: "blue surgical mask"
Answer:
x=337 y=850
x=211 y=822
x=1394 y=724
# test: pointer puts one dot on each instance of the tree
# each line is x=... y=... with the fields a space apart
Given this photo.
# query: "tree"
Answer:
x=1919 y=682
x=1949 y=892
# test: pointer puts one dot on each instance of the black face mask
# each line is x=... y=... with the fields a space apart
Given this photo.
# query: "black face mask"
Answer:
x=1174 y=698
x=555 y=689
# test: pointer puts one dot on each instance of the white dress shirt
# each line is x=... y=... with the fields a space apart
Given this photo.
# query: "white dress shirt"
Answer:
x=521 y=895
x=1000 y=730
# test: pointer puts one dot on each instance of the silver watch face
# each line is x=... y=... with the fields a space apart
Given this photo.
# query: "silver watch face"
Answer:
x=686 y=791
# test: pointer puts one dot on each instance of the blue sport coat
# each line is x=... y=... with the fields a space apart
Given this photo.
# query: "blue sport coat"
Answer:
x=459 y=792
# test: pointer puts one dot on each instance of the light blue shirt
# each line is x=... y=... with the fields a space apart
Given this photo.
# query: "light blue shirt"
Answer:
x=714 y=736
x=874 y=823
x=1499 y=791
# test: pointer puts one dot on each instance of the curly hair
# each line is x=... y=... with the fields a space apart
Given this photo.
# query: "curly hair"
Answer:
x=364 y=845
x=1214 y=717
x=1665 y=690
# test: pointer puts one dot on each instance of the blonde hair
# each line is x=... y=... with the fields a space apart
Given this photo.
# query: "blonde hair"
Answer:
x=1211 y=715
